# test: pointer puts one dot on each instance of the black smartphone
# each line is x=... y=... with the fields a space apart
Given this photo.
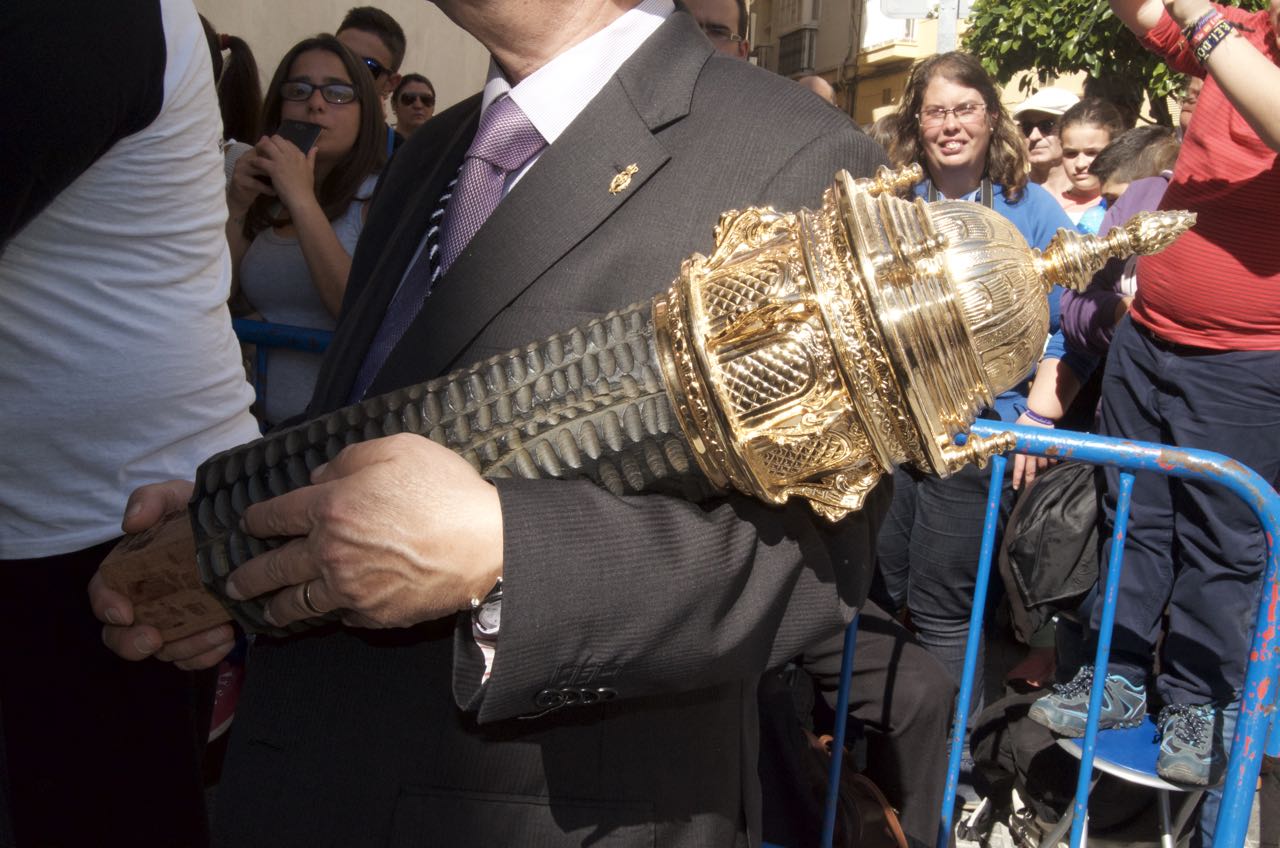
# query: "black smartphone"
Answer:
x=302 y=133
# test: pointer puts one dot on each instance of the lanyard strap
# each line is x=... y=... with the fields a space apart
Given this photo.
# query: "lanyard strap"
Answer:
x=986 y=194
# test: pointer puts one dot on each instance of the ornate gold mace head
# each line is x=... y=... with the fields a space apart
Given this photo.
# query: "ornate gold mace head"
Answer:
x=808 y=355
x=814 y=351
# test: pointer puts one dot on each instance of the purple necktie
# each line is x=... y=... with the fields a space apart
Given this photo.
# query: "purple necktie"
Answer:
x=504 y=142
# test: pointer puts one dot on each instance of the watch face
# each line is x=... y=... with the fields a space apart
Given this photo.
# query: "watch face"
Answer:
x=488 y=617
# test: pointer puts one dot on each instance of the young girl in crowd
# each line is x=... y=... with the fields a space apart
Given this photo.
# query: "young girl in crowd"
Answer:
x=1085 y=129
x=295 y=217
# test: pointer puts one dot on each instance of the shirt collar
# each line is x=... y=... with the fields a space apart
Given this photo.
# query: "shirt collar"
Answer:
x=552 y=96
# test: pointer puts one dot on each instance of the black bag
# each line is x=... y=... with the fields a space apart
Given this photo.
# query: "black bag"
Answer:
x=1049 y=557
x=1010 y=751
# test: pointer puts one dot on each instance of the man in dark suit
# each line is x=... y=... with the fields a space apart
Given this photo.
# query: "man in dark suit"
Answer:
x=616 y=704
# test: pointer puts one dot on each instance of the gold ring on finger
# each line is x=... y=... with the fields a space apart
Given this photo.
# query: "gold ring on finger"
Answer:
x=306 y=598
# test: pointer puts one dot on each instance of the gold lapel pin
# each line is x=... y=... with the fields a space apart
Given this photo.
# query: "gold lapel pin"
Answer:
x=623 y=179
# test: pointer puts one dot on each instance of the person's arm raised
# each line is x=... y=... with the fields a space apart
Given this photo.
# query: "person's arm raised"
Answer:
x=1249 y=79
x=1140 y=16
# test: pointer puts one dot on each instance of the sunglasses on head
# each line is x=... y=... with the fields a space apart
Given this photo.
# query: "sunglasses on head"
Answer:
x=375 y=67
x=1045 y=125
x=425 y=98
x=334 y=92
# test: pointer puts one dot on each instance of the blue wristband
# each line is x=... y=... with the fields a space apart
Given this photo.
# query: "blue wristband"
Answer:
x=1038 y=418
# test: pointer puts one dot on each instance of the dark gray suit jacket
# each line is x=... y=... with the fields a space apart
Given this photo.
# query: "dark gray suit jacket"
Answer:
x=371 y=738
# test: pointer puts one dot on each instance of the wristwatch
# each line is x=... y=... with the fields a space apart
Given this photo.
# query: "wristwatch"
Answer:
x=486 y=612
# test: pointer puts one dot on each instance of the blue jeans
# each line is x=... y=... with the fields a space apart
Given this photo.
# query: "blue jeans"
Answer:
x=928 y=550
x=1192 y=546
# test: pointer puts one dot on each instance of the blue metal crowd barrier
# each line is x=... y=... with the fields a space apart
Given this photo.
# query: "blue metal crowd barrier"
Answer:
x=1258 y=703
x=265 y=335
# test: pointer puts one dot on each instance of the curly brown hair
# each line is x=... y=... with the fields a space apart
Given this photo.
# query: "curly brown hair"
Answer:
x=1006 y=157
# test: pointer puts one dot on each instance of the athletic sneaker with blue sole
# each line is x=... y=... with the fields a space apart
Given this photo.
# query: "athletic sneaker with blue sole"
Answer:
x=1065 y=710
x=1191 y=749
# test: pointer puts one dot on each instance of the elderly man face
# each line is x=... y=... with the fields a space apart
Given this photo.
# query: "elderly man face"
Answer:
x=1040 y=136
x=722 y=21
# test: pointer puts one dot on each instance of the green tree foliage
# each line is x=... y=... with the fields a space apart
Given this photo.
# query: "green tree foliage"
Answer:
x=1054 y=37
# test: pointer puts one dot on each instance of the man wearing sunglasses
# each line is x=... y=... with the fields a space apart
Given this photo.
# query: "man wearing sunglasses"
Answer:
x=374 y=36
x=1037 y=117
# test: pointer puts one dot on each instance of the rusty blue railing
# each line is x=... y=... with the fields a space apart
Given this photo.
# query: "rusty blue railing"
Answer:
x=1253 y=731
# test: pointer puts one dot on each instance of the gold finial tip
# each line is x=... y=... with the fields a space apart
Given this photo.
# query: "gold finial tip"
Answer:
x=888 y=181
x=1152 y=232
x=1071 y=259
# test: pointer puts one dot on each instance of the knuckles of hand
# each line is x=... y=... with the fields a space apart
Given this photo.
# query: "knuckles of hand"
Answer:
x=393 y=531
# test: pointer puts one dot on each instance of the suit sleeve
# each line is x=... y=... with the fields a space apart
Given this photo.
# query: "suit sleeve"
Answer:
x=648 y=594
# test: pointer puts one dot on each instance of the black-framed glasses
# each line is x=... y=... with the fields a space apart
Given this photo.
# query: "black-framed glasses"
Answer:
x=375 y=67
x=333 y=92
x=720 y=32
x=425 y=98
x=966 y=113
x=1047 y=126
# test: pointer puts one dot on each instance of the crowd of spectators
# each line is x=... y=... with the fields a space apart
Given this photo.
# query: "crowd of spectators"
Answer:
x=1182 y=347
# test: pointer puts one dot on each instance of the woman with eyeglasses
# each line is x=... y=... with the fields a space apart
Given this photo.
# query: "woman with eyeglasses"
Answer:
x=295 y=216
x=951 y=121
x=413 y=101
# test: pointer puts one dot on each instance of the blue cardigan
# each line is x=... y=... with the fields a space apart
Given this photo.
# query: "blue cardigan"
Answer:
x=1038 y=217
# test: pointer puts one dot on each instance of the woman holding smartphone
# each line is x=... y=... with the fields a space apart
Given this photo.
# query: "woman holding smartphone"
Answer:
x=294 y=215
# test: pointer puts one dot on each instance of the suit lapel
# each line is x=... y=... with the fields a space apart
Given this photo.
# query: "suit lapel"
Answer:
x=393 y=253
x=559 y=202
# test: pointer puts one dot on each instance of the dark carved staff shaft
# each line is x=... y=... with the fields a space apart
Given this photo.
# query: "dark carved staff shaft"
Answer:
x=588 y=403
x=809 y=355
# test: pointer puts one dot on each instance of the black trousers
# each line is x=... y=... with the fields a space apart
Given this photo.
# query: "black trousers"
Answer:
x=99 y=751
x=1192 y=546
x=928 y=548
x=903 y=698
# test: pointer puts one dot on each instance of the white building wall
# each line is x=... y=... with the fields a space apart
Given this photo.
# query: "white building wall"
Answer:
x=880 y=29
x=453 y=60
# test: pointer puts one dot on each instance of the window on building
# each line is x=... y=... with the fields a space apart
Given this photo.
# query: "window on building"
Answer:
x=796 y=52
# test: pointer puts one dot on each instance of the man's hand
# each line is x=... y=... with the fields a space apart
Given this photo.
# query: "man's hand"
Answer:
x=393 y=532
x=146 y=507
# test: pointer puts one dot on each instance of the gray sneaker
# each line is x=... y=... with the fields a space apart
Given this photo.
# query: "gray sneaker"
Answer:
x=1065 y=710
x=1191 y=749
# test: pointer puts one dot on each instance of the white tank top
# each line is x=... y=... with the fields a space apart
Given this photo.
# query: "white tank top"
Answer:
x=118 y=365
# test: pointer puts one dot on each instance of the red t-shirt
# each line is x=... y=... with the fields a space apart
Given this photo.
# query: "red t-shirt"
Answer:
x=1218 y=286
